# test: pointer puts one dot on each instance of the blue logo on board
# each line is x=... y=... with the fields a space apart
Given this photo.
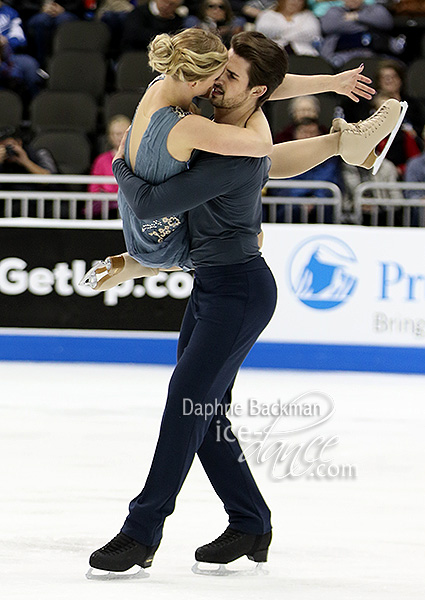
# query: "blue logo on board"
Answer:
x=322 y=272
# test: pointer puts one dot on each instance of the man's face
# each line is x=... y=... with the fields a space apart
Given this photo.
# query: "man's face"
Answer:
x=353 y=4
x=231 y=89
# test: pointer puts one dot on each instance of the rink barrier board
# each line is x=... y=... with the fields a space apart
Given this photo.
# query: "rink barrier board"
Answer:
x=162 y=351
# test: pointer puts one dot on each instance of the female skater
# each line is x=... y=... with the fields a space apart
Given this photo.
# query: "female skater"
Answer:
x=161 y=140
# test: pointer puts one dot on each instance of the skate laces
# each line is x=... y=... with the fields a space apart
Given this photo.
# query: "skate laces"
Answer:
x=371 y=124
x=227 y=537
x=118 y=544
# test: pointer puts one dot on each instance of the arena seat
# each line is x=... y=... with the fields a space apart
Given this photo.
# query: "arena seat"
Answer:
x=415 y=79
x=121 y=103
x=93 y=36
x=64 y=111
x=133 y=72
x=10 y=109
x=76 y=71
x=71 y=150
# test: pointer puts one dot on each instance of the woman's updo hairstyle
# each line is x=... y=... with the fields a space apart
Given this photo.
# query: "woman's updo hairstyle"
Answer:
x=191 y=55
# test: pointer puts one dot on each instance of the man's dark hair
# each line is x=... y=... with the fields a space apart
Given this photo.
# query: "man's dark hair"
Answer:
x=268 y=61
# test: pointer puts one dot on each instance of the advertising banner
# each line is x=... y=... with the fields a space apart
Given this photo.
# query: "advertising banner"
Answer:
x=341 y=284
x=41 y=263
x=349 y=298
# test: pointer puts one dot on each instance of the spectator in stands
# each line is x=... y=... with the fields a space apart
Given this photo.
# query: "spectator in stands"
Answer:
x=150 y=19
x=408 y=7
x=302 y=107
x=19 y=69
x=357 y=30
x=291 y=26
x=102 y=164
x=17 y=157
x=390 y=80
x=252 y=9
x=217 y=16
x=329 y=170
x=114 y=13
x=42 y=25
x=415 y=173
x=353 y=176
x=321 y=7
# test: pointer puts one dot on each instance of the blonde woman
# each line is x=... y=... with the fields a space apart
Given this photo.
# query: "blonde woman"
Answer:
x=162 y=138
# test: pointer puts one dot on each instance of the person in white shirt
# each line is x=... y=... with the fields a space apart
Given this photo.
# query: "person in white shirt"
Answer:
x=292 y=26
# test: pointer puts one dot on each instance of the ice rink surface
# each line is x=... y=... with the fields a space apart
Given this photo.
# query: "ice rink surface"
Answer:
x=76 y=443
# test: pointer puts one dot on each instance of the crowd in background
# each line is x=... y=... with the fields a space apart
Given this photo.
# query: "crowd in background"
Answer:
x=335 y=30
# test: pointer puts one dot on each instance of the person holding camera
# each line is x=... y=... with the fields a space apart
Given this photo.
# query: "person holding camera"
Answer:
x=15 y=157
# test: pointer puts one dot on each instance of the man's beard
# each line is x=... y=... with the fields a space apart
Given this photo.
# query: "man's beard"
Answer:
x=222 y=102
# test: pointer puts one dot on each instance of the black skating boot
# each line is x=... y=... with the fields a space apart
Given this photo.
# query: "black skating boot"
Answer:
x=122 y=553
x=232 y=544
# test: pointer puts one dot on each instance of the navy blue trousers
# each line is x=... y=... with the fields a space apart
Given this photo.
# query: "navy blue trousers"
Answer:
x=229 y=307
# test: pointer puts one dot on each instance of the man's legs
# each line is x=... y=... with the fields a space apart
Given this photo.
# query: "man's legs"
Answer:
x=229 y=474
x=230 y=311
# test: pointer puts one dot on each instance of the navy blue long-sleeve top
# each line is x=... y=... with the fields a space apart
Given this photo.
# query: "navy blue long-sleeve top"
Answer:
x=222 y=195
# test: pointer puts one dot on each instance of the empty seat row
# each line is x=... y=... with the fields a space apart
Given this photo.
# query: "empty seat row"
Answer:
x=76 y=111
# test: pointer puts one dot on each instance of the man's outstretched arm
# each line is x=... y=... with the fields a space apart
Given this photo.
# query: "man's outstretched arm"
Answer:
x=348 y=83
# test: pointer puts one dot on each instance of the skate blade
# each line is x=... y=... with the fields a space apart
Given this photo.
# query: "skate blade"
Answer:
x=90 y=279
x=380 y=159
x=97 y=574
x=223 y=571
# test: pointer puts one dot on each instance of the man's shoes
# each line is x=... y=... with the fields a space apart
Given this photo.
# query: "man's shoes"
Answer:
x=121 y=554
x=232 y=544
x=358 y=141
x=108 y=273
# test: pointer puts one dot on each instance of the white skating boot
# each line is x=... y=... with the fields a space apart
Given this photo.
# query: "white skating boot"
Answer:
x=108 y=273
x=358 y=140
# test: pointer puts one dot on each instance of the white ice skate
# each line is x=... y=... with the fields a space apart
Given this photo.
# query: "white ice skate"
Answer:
x=103 y=270
x=358 y=140
x=380 y=159
x=108 y=273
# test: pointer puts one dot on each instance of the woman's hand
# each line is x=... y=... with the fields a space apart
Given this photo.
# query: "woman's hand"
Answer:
x=120 y=153
x=353 y=84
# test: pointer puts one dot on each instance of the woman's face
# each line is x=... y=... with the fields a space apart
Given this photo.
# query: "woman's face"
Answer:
x=204 y=87
x=389 y=81
x=304 y=108
x=116 y=131
x=215 y=10
x=292 y=6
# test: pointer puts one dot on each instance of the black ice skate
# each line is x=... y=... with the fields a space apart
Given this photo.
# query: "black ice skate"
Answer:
x=231 y=545
x=118 y=557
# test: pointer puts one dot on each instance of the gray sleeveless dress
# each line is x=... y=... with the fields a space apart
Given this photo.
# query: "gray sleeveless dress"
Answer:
x=160 y=242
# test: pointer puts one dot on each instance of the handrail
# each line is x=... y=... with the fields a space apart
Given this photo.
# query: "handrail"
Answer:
x=304 y=201
x=389 y=204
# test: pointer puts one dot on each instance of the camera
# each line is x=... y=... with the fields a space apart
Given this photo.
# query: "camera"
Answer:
x=10 y=151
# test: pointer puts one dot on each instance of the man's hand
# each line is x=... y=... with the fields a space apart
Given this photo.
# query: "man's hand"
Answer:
x=121 y=148
x=2 y=154
x=353 y=84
